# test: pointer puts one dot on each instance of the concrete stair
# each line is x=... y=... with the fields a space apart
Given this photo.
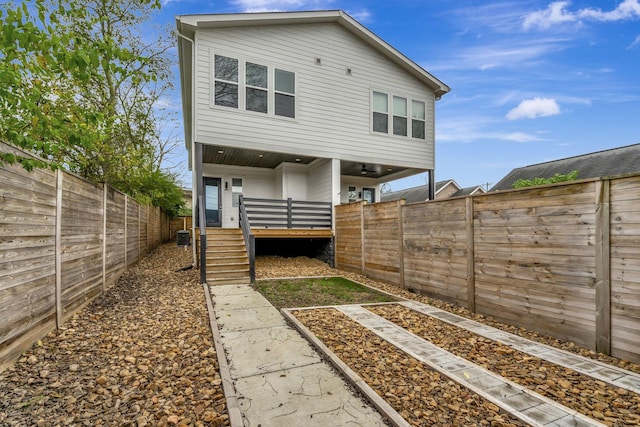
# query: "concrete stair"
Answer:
x=227 y=259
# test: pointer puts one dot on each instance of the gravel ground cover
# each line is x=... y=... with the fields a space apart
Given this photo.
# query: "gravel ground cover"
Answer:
x=422 y=396
x=608 y=404
x=139 y=355
x=272 y=267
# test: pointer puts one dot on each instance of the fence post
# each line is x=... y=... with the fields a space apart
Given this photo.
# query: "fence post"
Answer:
x=400 y=203
x=471 y=274
x=104 y=236
x=139 y=232
x=126 y=232
x=603 y=267
x=58 y=244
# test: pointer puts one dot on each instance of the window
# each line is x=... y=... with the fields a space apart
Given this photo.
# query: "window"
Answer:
x=236 y=191
x=353 y=196
x=380 y=112
x=285 y=93
x=226 y=81
x=256 y=82
x=402 y=108
x=369 y=195
x=399 y=116
x=418 y=119
x=253 y=87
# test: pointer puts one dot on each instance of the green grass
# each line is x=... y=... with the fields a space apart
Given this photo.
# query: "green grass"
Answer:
x=289 y=293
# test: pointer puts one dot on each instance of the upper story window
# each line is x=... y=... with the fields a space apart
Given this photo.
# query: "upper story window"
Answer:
x=262 y=89
x=285 y=93
x=226 y=81
x=380 y=112
x=257 y=87
x=399 y=116
x=402 y=110
x=418 y=119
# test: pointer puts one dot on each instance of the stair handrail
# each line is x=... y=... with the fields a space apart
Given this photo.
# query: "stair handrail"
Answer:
x=249 y=238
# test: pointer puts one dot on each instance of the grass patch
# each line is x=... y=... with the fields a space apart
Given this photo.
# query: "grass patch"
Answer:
x=289 y=293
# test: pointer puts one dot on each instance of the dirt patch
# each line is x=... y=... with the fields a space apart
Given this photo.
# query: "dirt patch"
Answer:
x=293 y=293
x=140 y=355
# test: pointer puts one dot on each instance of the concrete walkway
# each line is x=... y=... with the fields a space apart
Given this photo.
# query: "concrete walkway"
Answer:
x=279 y=379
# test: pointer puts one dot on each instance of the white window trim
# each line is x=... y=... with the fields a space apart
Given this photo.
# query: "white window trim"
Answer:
x=390 y=94
x=242 y=86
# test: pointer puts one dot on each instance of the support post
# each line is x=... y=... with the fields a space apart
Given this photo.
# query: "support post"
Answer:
x=203 y=241
x=252 y=258
x=432 y=185
x=289 y=213
x=603 y=267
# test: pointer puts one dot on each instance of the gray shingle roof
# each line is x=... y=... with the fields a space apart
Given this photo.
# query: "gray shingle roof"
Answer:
x=421 y=193
x=616 y=161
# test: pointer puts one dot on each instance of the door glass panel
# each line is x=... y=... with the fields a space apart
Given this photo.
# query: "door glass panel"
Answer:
x=212 y=202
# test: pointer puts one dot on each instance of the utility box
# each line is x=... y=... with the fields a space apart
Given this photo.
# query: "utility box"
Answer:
x=182 y=237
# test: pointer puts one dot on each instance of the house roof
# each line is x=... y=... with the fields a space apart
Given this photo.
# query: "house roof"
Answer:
x=421 y=193
x=188 y=24
x=615 y=161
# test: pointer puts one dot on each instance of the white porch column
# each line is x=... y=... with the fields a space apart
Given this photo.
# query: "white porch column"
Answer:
x=335 y=189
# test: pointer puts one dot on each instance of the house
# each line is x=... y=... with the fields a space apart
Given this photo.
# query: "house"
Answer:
x=297 y=112
x=615 y=161
x=444 y=190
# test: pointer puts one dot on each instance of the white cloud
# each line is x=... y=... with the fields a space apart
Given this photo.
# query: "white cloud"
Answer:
x=533 y=108
x=635 y=43
x=628 y=9
x=519 y=137
x=557 y=13
x=361 y=15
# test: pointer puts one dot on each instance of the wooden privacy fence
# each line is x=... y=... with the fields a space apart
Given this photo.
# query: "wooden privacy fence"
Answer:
x=63 y=241
x=563 y=259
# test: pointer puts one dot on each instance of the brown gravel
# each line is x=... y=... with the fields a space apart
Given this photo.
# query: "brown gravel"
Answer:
x=272 y=267
x=420 y=395
x=139 y=355
x=611 y=405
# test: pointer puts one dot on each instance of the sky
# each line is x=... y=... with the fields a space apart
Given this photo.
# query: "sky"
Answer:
x=531 y=81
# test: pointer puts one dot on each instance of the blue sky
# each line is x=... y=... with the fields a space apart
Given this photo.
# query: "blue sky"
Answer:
x=531 y=81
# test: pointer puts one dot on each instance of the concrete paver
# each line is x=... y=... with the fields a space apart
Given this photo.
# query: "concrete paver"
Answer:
x=508 y=395
x=601 y=371
x=279 y=379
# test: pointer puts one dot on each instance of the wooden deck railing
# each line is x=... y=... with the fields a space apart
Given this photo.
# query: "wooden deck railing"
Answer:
x=273 y=213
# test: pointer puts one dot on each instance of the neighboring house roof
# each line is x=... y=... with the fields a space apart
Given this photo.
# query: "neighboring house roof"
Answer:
x=421 y=193
x=616 y=161
x=188 y=24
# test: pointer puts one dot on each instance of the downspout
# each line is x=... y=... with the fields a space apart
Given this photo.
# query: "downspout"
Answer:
x=197 y=183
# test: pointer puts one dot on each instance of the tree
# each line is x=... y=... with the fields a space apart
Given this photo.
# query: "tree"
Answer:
x=38 y=63
x=81 y=89
x=521 y=183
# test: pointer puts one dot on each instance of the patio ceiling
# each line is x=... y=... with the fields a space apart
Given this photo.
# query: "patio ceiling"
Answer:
x=265 y=159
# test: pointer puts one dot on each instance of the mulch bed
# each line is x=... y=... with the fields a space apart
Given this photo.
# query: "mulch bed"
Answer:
x=593 y=398
x=139 y=355
x=419 y=394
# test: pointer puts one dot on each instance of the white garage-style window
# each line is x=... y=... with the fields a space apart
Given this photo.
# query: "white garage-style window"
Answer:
x=407 y=118
x=249 y=86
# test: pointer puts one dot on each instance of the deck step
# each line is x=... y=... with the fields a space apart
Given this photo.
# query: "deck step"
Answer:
x=227 y=261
